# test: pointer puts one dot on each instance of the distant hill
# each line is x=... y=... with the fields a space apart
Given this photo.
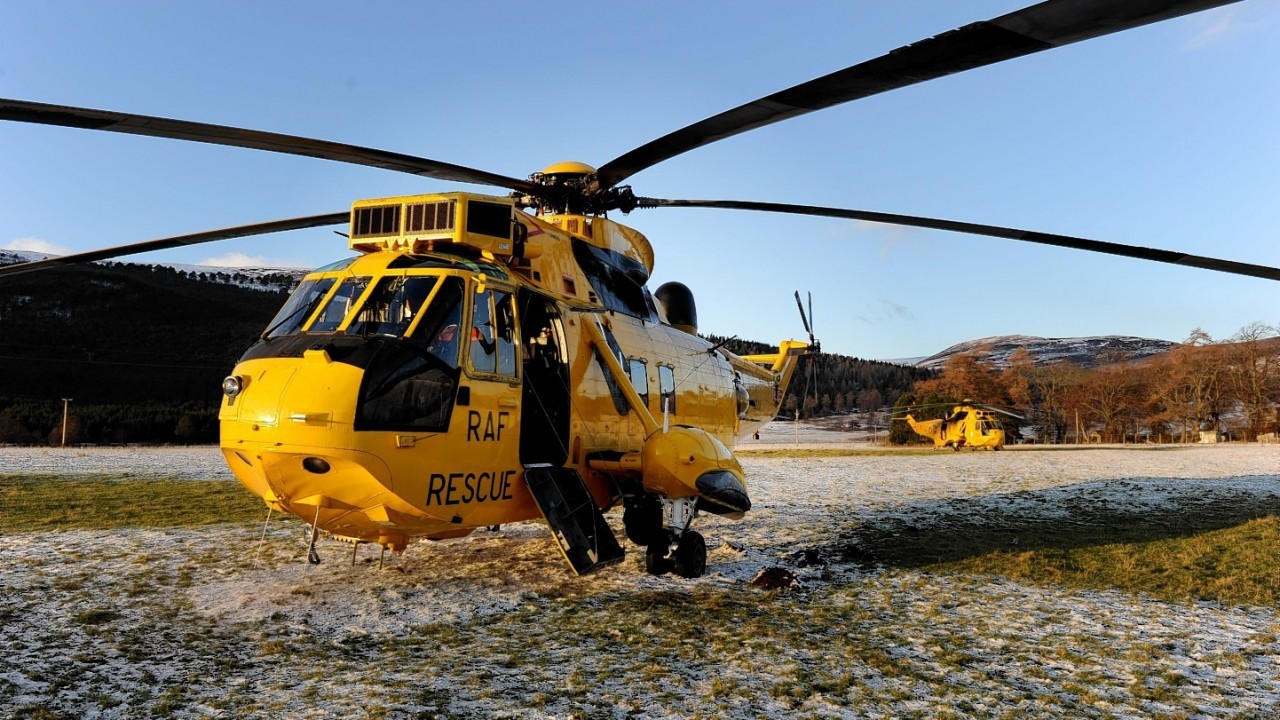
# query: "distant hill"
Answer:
x=1082 y=351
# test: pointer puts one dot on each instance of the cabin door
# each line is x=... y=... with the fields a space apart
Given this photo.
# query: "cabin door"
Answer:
x=493 y=358
x=544 y=416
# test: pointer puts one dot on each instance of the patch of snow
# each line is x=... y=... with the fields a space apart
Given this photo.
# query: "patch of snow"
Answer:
x=207 y=622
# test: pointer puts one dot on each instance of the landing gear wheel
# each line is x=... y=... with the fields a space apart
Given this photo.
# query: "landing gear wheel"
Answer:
x=656 y=561
x=643 y=522
x=690 y=558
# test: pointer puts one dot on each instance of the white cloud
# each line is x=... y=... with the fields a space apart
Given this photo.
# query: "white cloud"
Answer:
x=888 y=235
x=30 y=244
x=239 y=259
x=1220 y=27
x=884 y=310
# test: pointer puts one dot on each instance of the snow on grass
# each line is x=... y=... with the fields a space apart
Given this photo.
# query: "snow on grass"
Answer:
x=204 y=622
x=199 y=462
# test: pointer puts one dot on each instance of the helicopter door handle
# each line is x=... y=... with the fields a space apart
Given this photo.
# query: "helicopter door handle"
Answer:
x=504 y=402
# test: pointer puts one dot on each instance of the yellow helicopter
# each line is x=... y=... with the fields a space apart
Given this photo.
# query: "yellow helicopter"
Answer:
x=968 y=424
x=489 y=359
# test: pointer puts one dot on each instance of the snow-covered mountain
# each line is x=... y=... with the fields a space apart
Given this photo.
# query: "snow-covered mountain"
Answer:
x=258 y=278
x=1083 y=351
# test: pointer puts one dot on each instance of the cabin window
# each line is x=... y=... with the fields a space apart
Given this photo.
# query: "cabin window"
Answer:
x=638 y=370
x=340 y=304
x=392 y=306
x=493 y=333
x=504 y=313
x=298 y=310
x=619 y=399
x=617 y=279
x=667 y=388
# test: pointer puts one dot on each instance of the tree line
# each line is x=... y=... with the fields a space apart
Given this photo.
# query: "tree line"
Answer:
x=832 y=384
x=39 y=422
x=1230 y=387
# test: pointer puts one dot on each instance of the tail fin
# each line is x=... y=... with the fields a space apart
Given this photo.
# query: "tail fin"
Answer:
x=767 y=376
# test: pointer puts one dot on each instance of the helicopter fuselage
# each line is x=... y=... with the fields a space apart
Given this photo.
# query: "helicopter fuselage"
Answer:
x=403 y=393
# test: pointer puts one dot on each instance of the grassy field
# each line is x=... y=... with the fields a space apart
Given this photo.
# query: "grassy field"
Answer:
x=33 y=503
x=1237 y=565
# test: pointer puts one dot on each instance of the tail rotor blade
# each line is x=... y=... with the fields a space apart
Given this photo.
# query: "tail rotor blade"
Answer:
x=804 y=318
x=812 y=324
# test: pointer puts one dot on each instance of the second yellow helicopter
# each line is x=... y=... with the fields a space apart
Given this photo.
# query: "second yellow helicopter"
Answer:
x=967 y=425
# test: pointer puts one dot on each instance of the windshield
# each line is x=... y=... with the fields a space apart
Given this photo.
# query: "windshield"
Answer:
x=302 y=303
x=424 y=310
x=392 y=306
x=339 y=306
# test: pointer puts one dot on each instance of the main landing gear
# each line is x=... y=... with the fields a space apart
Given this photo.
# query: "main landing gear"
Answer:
x=657 y=524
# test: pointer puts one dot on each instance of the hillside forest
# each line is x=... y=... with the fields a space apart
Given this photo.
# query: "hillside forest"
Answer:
x=831 y=384
x=1231 y=387
x=140 y=351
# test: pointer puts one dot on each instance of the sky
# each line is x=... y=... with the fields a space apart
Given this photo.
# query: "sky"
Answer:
x=1166 y=136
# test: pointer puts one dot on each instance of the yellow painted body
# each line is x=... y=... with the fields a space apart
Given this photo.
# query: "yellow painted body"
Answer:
x=308 y=435
x=966 y=426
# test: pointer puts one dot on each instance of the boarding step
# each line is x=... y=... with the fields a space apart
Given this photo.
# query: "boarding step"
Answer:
x=585 y=539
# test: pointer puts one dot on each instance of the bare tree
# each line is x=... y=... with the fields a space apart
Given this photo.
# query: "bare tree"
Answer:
x=966 y=376
x=1253 y=372
x=1113 y=395
x=1052 y=384
x=1187 y=389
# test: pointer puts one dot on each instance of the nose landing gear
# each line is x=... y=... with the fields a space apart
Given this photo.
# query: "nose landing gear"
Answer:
x=689 y=558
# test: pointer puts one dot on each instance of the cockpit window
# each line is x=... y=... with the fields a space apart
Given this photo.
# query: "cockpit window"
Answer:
x=438 y=332
x=505 y=330
x=301 y=305
x=339 y=306
x=392 y=306
x=493 y=341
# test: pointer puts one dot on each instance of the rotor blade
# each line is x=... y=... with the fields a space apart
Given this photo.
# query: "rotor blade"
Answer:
x=66 y=116
x=264 y=228
x=1040 y=27
x=1100 y=246
x=1003 y=412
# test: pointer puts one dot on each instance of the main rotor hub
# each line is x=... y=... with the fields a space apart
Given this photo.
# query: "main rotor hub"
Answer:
x=572 y=187
x=567 y=169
